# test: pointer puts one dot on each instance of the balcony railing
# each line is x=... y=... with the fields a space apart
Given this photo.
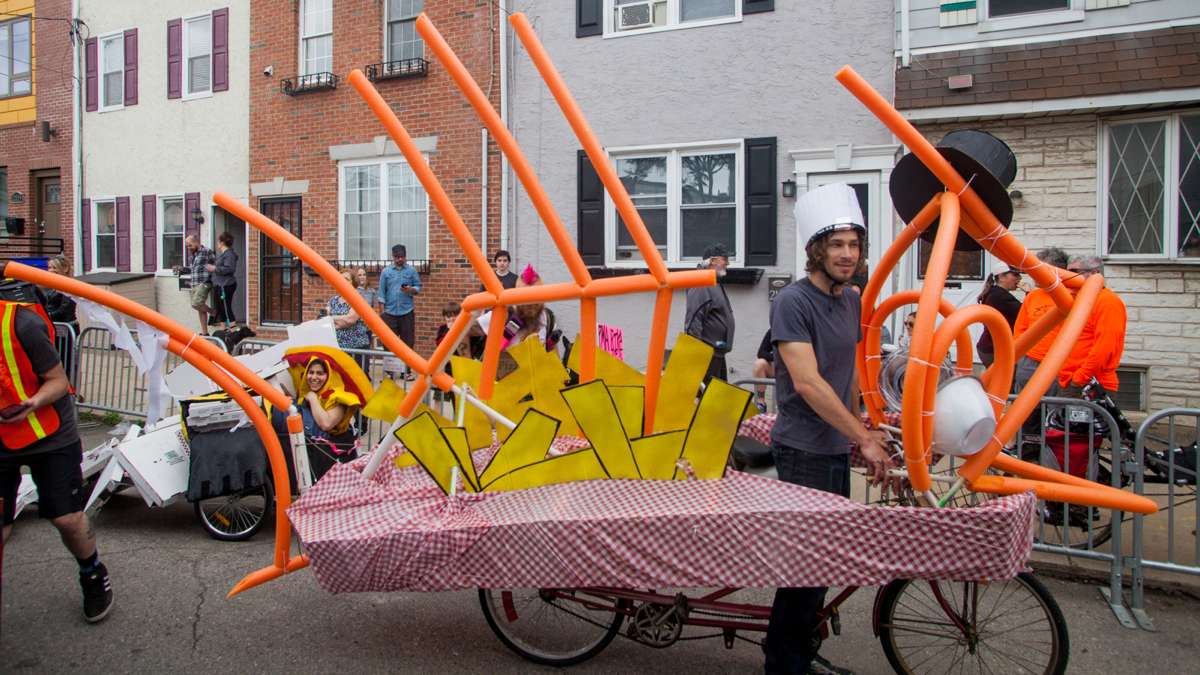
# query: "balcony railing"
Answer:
x=304 y=84
x=375 y=266
x=394 y=69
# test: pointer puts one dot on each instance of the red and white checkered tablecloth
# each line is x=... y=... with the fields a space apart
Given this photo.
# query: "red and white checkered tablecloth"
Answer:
x=399 y=532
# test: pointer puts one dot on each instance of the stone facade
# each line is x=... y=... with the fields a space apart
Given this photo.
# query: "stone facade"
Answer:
x=24 y=156
x=1058 y=180
x=299 y=138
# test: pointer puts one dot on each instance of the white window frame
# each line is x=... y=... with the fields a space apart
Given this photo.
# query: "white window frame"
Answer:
x=1073 y=13
x=1170 y=204
x=100 y=72
x=384 y=204
x=95 y=227
x=675 y=200
x=673 y=22
x=387 y=43
x=303 y=69
x=7 y=25
x=160 y=222
x=187 y=80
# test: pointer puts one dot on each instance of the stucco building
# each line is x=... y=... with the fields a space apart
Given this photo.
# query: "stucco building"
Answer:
x=36 y=132
x=165 y=124
x=705 y=108
x=321 y=164
x=1100 y=100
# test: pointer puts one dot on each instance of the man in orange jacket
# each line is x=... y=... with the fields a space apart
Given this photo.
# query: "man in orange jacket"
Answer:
x=1097 y=352
x=1037 y=303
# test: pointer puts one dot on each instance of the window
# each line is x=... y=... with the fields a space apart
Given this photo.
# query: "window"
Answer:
x=170 y=233
x=112 y=72
x=1151 y=187
x=402 y=40
x=382 y=204
x=641 y=15
x=197 y=55
x=316 y=36
x=998 y=8
x=106 y=233
x=688 y=198
x=16 y=58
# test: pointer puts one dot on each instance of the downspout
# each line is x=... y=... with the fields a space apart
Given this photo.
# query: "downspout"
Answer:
x=905 y=47
x=483 y=192
x=76 y=143
x=503 y=11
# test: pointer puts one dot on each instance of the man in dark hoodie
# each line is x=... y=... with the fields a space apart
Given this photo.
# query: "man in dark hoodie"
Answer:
x=709 y=316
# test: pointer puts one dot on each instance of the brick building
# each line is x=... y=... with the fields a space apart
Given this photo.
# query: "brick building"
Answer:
x=1100 y=101
x=320 y=162
x=36 y=133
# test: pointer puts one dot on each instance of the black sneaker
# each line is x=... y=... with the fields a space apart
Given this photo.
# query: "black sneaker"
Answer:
x=97 y=594
x=820 y=666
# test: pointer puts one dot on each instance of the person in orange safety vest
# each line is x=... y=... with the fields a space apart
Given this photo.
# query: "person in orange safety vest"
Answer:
x=38 y=430
x=1037 y=303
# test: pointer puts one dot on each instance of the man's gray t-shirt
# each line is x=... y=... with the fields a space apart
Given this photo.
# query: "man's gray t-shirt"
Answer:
x=831 y=324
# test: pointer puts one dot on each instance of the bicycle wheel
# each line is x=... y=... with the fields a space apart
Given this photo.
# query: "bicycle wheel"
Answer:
x=552 y=627
x=1012 y=626
x=238 y=516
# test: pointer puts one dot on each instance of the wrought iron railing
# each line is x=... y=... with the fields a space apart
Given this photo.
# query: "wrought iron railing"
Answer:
x=422 y=266
x=303 y=84
x=393 y=69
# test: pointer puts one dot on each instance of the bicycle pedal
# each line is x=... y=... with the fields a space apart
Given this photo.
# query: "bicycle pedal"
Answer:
x=835 y=622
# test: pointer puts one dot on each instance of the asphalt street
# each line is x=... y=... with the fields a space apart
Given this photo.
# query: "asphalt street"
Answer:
x=171 y=615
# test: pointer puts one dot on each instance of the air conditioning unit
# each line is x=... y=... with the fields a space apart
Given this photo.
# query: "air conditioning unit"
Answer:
x=636 y=15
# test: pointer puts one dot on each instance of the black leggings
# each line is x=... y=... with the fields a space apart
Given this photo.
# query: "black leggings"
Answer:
x=224 y=297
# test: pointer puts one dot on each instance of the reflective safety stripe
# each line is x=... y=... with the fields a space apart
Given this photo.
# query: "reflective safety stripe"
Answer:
x=10 y=359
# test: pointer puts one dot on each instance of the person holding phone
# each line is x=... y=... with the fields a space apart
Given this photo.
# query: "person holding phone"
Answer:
x=398 y=285
x=38 y=429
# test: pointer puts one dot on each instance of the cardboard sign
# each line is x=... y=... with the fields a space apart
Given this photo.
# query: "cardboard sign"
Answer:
x=611 y=339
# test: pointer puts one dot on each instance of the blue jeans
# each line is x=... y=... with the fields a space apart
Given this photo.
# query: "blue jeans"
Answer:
x=789 y=644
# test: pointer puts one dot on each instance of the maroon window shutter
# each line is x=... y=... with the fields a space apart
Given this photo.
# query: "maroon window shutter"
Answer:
x=149 y=233
x=90 y=70
x=220 y=49
x=191 y=201
x=85 y=234
x=122 y=234
x=131 y=60
x=175 y=58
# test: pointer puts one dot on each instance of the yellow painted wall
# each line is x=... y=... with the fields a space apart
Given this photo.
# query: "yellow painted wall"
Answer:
x=24 y=108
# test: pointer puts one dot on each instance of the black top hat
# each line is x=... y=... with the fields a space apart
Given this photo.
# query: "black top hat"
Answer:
x=972 y=153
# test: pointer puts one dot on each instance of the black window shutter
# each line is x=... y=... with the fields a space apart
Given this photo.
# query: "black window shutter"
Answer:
x=589 y=222
x=756 y=6
x=761 y=207
x=588 y=19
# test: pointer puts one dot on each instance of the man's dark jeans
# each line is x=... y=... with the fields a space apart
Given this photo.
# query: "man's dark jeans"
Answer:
x=789 y=645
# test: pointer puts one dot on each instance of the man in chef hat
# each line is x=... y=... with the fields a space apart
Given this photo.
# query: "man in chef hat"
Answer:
x=815 y=325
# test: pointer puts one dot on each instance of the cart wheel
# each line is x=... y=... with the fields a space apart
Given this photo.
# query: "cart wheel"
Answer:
x=552 y=627
x=1012 y=626
x=238 y=516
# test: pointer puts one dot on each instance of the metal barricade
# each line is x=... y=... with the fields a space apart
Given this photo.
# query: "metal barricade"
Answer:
x=106 y=378
x=764 y=386
x=1074 y=431
x=1169 y=462
x=66 y=343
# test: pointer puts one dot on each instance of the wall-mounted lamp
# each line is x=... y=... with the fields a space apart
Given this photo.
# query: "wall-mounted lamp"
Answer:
x=1015 y=195
x=48 y=132
x=789 y=188
x=197 y=215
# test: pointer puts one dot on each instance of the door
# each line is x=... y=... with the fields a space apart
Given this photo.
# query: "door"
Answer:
x=46 y=224
x=280 y=290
